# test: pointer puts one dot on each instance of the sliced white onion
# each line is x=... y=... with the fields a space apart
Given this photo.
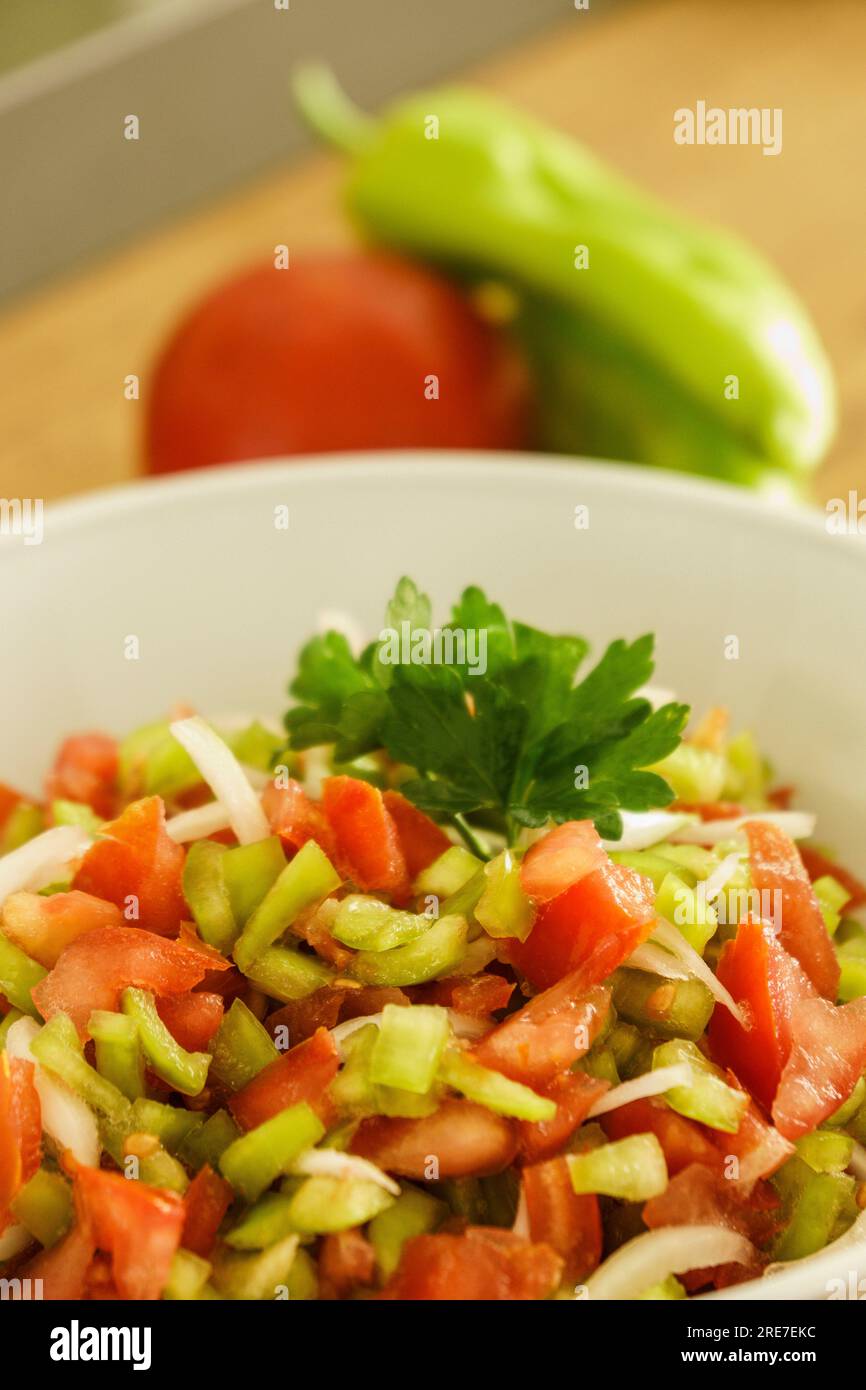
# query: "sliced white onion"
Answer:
x=462 y=1025
x=721 y=875
x=655 y=960
x=65 y=1116
x=799 y=825
x=650 y=1258
x=334 y=1163
x=198 y=823
x=317 y=766
x=13 y=1240
x=226 y=778
x=674 y=941
x=41 y=860
x=640 y=829
x=651 y=1083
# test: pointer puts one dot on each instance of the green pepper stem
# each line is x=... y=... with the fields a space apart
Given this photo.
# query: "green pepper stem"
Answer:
x=327 y=110
x=477 y=845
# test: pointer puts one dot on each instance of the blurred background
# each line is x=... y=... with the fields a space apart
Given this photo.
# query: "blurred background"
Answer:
x=109 y=241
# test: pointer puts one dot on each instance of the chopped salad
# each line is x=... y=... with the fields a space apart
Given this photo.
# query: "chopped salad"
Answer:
x=476 y=980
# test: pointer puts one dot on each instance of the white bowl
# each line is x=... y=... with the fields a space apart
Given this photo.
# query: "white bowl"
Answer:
x=219 y=598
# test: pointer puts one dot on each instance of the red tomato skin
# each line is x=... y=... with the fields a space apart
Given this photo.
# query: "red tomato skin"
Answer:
x=206 y=1201
x=421 y=839
x=484 y=1263
x=85 y=770
x=135 y=856
x=467 y=1140
x=367 y=840
x=347 y=1261
x=303 y=1073
x=44 y=927
x=192 y=1019
x=477 y=995
x=757 y=1145
x=296 y=818
x=64 y=1268
x=549 y=1033
x=827 y=1058
x=766 y=981
x=560 y=859
x=575 y=1093
x=93 y=972
x=332 y=355
x=697 y=1196
x=569 y=1223
x=595 y=924
x=139 y=1226
x=776 y=866
x=20 y=1130
x=683 y=1141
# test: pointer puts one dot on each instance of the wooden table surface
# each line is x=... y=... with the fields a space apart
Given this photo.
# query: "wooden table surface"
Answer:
x=64 y=422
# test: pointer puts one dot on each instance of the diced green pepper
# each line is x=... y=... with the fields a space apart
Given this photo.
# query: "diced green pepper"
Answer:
x=252 y=1162
x=852 y=977
x=262 y=1224
x=707 y=1097
x=832 y=897
x=600 y=1062
x=205 y=891
x=408 y=1046
x=256 y=746
x=632 y=1169
x=651 y=864
x=826 y=1151
x=160 y=1169
x=669 y=1288
x=308 y=879
x=464 y=902
x=208 y=1142
x=447 y=874
x=58 y=1049
x=303 y=1280
x=696 y=774
x=354 y=1091
x=171 y=1124
x=367 y=924
x=25 y=823
x=153 y=763
x=188 y=1276
x=184 y=1071
x=491 y=1089
x=240 y=1048
x=691 y=914
x=504 y=909
x=747 y=772
x=118 y=1055
x=44 y=1206
x=324 y=1205
x=6 y=1023
x=438 y=951
x=18 y=976
x=413 y=1213
x=75 y=813
x=250 y=871
x=848 y=1109
x=672 y=1008
x=260 y=1275
x=627 y=1043
x=287 y=974
x=813 y=1204
x=690 y=861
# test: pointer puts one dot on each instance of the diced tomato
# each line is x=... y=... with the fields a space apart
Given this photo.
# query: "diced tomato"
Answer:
x=93 y=972
x=484 y=1263
x=296 y=818
x=9 y=799
x=570 y=1224
x=596 y=924
x=347 y=1261
x=311 y=927
x=99 y=1285
x=696 y=1196
x=758 y=1146
x=560 y=859
x=776 y=867
x=575 y=1093
x=421 y=839
x=817 y=865
x=63 y=1269
x=371 y=999
x=549 y=1033
x=303 y=1016
x=85 y=770
x=464 y=1139
x=192 y=1019
x=765 y=981
x=44 y=927
x=367 y=840
x=135 y=859
x=827 y=1058
x=683 y=1142
x=303 y=1073
x=20 y=1129
x=206 y=1202
x=140 y=1227
x=476 y=995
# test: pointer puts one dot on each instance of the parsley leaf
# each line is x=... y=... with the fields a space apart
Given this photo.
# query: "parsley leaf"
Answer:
x=499 y=726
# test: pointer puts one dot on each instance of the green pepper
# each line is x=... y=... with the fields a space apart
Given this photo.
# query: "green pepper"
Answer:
x=118 y=1055
x=260 y=1275
x=308 y=879
x=255 y=746
x=439 y=950
x=250 y=871
x=303 y=1281
x=240 y=1047
x=24 y=824
x=208 y=1142
x=324 y=1205
x=354 y=1091
x=262 y=1224
x=18 y=976
x=492 y=1089
x=826 y=1151
x=672 y=1008
x=58 y=1049
x=75 y=813
x=632 y=1169
x=287 y=974
x=184 y=1071
x=669 y=1288
x=6 y=1023
x=447 y=874
x=504 y=908
x=252 y=1162
x=413 y=1213
x=161 y=1169
x=205 y=890
x=408 y=1046
x=706 y=1097
x=461 y=178
x=693 y=916
x=44 y=1206
x=368 y=924
x=188 y=1276
x=814 y=1204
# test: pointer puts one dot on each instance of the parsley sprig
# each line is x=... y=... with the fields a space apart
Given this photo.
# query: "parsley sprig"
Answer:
x=520 y=744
